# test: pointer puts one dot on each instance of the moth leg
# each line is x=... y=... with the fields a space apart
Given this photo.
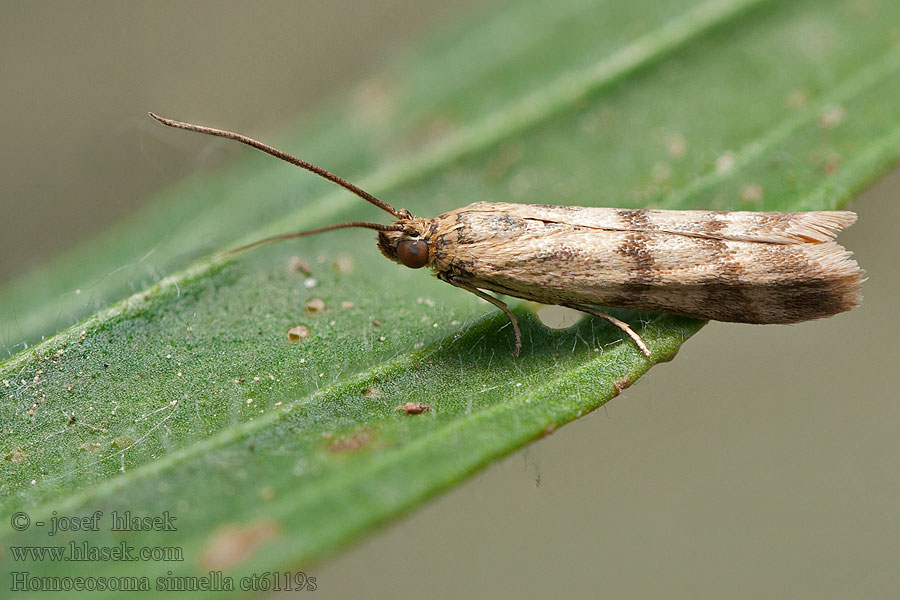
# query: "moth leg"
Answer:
x=620 y=324
x=495 y=301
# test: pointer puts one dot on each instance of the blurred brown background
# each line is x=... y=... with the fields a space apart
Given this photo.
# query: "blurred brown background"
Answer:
x=762 y=462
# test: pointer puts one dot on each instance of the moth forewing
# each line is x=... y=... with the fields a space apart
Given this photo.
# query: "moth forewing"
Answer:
x=751 y=267
x=746 y=267
x=776 y=227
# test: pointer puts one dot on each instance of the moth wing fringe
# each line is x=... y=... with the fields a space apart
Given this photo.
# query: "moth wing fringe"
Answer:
x=743 y=226
x=819 y=226
x=840 y=270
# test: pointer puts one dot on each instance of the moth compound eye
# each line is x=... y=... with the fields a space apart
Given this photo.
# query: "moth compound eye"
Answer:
x=413 y=253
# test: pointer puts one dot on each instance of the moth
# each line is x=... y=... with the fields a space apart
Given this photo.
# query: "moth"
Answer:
x=745 y=267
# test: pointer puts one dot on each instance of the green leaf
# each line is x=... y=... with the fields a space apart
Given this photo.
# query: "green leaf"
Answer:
x=189 y=397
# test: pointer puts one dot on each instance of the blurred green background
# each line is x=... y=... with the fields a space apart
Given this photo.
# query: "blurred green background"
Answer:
x=762 y=461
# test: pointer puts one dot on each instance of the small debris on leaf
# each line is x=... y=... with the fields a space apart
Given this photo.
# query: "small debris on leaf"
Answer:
x=295 y=334
x=15 y=456
x=120 y=443
x=315 y=305
x=414 y=408
x=300 y=266
x=372 y=393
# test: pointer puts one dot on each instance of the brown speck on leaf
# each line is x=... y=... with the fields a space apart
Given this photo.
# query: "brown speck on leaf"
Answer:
x=353 y=442
x=299 y=266
x=295 y=334
x=549 y=429
x=376 y=322
x=232 y=545
x=315 y=305
x=16 y=456
x=413 y=408
x=752 y=193
x=621 y=384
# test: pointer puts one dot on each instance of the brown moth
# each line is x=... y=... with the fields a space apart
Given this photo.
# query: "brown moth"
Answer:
x=746 y=267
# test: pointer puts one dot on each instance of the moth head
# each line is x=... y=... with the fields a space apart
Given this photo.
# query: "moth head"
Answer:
x=408 y=246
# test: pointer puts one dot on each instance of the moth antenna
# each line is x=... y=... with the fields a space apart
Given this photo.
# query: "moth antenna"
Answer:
x=400 y=214
x=296 y=234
